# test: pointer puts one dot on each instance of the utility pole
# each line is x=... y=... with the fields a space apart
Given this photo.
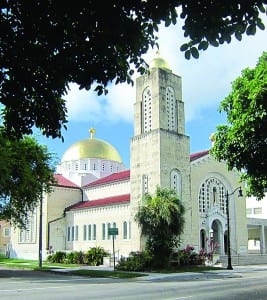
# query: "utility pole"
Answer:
x=41 y=231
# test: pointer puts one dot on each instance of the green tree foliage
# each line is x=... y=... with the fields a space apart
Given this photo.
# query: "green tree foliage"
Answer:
x=45 y=45
x=243 y=143
x=208 y=22
x=25 y=171
x=161 y=219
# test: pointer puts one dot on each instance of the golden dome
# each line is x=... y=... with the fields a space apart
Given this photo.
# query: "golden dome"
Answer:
x=91 y=148
x=159 y=62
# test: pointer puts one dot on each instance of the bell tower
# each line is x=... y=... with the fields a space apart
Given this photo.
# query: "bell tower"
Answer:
x=159 y=148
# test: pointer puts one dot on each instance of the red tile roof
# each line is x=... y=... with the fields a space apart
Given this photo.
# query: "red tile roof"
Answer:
x=111 y=178
x=62 y=181
x=101 y=202
x=197 y=155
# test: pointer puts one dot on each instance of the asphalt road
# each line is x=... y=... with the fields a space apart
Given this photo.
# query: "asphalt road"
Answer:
x=239 y=284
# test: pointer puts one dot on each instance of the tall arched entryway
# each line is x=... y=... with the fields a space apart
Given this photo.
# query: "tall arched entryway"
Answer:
x=217 y=237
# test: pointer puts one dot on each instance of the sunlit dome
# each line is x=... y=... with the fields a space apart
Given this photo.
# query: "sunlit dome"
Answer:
x=91 y=148
x=159 y=62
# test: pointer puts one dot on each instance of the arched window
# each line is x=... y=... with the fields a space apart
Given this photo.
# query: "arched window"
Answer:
x=124 y=230
x=84 y=232
x=171 y=109
x=94 y=232
x=147 y=110
x=103 y=231
x=176 y=182
x=28 y=234
x=89 y=232
x=212 y=193
x=76 y=233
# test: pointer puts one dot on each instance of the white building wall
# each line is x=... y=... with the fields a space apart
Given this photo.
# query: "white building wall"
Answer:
x=99 y=216
x=256 y=208
x=107 y=190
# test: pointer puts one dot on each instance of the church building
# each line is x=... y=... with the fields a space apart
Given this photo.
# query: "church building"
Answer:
x=95 y=192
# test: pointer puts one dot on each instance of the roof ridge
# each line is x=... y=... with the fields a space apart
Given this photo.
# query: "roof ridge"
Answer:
x=117 y=176
x=101 y=202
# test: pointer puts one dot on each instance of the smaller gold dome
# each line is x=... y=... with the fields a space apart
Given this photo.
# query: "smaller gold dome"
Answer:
x=91 y=148
x=159 y=62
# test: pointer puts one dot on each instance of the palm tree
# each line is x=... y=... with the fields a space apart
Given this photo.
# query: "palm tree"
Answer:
x=161 y=219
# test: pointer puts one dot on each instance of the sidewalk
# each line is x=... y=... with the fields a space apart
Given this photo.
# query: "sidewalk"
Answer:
x=237 y=272
x=182 y=276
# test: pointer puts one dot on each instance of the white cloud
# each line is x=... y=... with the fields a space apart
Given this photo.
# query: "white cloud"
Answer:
x=206 y=81
x=85 y=105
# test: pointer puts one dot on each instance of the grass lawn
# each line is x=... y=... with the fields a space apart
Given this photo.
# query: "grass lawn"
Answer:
x=34 y=265
x=31 y=264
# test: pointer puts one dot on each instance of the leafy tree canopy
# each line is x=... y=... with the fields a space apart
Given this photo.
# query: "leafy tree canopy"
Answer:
x=45 y=45
x=26 y=171
x=161 y=219
x=243 y=143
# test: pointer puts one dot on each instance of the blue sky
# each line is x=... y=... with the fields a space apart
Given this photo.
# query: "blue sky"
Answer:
x=206 y=82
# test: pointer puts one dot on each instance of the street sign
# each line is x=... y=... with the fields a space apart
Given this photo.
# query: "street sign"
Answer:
x=113 y=231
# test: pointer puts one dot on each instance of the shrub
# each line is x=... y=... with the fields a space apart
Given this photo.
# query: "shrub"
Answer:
x=75 y=257
x=137 y=261
x=94 y=256
x=57 y=257
x=188 y=256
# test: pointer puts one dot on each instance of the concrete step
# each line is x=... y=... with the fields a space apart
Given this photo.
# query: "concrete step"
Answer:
x=243 y=260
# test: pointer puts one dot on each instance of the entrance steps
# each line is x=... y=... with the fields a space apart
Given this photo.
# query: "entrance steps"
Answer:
x=243 y=260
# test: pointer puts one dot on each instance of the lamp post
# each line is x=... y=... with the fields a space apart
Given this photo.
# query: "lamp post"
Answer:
x=41 y=231
x=240 y=194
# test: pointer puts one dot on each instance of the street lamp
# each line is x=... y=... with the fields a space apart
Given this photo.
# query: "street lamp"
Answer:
x=240 y=194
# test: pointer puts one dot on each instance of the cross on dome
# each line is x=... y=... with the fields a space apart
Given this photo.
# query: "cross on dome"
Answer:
x=92 y=132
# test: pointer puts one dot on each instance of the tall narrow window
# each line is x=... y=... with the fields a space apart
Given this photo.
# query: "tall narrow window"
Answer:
x=84 y=232
x=176 y=182
x=171 y=109
x=124 y=230
x=76 y=233
x=68 y=234
x=72 y=233
x=147 y=110
x=103 y=231
x=109 y=226
x=94 y=232
x=89 y=232
x=145 y=184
